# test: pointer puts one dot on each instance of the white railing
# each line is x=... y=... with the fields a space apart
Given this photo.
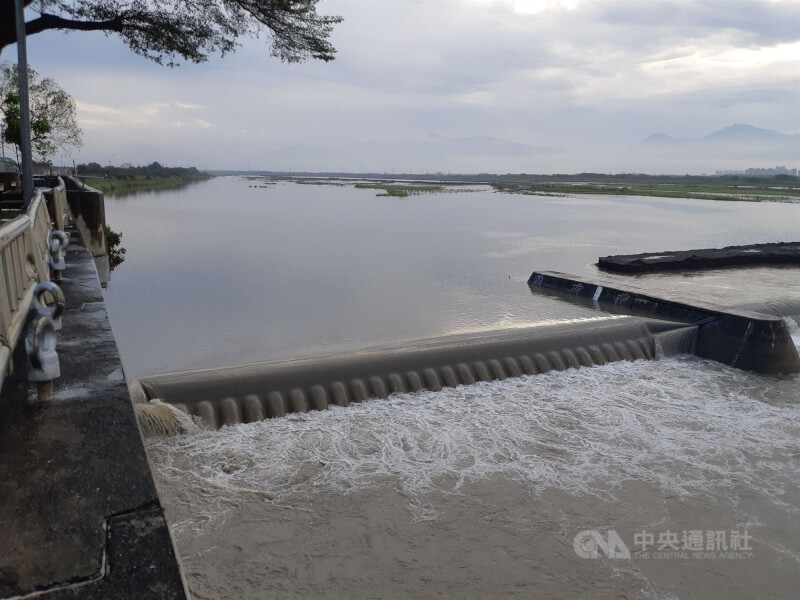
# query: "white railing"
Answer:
x=56 y=196
x=24 y=255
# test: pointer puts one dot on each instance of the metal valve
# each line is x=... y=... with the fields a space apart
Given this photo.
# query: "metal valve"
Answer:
x=58 y=241
x=52 y=309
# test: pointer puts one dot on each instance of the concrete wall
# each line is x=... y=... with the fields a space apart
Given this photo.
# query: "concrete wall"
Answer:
x=89 y=211
x=754 y=340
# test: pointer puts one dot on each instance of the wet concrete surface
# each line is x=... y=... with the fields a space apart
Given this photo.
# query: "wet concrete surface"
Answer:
x=80 y=516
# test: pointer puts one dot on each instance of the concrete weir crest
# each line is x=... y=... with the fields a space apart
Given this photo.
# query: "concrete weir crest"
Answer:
x=251 y=393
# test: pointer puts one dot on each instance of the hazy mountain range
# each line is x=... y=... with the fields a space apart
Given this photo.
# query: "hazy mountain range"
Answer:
x=736 y=142
x=732 y=134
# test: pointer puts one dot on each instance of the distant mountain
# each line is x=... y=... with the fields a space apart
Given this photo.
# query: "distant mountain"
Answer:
x=732 y=133
x=734 y=143
x=658 y=138
x=750 y=133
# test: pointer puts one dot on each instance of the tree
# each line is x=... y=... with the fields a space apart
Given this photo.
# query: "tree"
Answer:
x=53 y=124
x=187 y=29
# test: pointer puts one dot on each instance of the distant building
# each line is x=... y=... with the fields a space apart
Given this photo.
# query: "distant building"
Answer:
x=760 y=172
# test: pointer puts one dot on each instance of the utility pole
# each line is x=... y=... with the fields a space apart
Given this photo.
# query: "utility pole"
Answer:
x=24 y=107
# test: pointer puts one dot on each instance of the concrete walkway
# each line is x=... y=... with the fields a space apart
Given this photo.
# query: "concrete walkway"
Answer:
x=79 y=512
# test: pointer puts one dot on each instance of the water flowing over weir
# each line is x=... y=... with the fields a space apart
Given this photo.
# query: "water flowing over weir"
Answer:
x=752 y=337
x=252 y=393
x=478 y=491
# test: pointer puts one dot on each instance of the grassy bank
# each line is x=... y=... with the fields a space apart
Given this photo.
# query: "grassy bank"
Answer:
x=704 y=188
x=128 y=179
x=778 y=188
x=114 y=185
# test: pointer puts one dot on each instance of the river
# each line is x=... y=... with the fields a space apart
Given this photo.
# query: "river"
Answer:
x=473 y=492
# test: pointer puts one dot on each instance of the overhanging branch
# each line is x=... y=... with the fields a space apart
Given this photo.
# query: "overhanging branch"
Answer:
x=47 y=21
x=8 y=33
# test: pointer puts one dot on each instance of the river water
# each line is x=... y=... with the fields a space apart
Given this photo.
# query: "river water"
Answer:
x=473 y=492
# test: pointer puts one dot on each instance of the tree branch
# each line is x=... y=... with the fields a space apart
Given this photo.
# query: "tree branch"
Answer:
x=47 y=21
x=8 y=34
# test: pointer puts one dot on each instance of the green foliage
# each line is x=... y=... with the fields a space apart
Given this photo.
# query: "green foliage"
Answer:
x=52 y=113
x=116 y=253
x=175 y=29
x=41 y=146
x=700 y=187
x=400 y=191
x=122 y=180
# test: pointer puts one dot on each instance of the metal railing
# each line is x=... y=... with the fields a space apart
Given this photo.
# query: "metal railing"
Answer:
x=24 y=252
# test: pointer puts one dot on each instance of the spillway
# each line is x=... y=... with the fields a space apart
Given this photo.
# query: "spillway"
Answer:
x=228 y=396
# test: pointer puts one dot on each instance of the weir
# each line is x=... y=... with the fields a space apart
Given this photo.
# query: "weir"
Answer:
x=251 y=393
x=754 y=337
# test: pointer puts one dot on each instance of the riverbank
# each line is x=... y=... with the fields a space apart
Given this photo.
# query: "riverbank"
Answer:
x=128 y=179
x=117 y=186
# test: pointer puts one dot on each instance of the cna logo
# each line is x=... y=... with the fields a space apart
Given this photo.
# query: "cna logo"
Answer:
x=591 y=543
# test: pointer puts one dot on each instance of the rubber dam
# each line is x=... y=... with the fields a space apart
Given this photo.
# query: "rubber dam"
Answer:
x=754 y=337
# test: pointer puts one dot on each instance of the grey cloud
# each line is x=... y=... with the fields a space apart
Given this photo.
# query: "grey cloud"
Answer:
x=435 y=152
x=763 y=23
x=404 y=69
x=729 y=97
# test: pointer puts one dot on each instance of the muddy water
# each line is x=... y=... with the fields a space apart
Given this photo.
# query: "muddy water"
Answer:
x=479 y=491
x=473 y=492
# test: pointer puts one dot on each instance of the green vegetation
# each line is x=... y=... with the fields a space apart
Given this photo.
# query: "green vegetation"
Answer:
x=752 y=189
x=777 y=188
x=399 y=191
x=116 y=253
x=53 y=124
x=126 y=179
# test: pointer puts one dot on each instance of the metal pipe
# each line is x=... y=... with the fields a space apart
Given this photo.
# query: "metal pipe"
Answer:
x=24 y=106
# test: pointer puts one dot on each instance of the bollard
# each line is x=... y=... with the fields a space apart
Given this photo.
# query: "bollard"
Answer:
x=42 y=359
x=58 y=241
x=44 y=309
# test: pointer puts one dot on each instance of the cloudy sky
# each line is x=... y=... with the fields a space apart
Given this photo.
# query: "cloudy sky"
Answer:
x=535 y=86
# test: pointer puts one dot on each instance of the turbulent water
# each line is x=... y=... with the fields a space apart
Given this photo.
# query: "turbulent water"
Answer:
x=479 y=491
x=526 y=488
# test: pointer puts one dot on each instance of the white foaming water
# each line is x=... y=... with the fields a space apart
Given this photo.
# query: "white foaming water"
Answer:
x=685 y=426
x=794 y=330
